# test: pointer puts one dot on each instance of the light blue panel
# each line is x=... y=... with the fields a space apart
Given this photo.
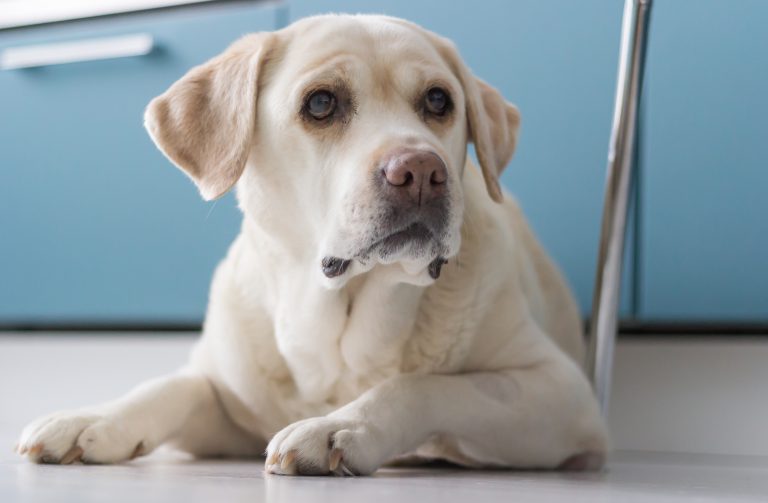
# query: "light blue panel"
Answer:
x=557 y=60
x=95 y=224
x=705 y=220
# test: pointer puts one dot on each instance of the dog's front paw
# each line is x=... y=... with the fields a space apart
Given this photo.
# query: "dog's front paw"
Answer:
x=65 y=437
x=325 y=446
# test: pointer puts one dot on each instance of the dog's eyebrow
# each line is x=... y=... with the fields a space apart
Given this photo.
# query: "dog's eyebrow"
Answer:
x=320 y=72
x=331 y=64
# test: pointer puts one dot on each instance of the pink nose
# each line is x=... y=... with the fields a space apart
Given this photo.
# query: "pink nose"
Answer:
x=418 y=175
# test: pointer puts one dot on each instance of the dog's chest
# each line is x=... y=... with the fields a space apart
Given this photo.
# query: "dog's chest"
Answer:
x=348 y=342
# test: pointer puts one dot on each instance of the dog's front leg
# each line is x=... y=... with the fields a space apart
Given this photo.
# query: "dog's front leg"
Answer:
x=155 y=412
x=542 y=416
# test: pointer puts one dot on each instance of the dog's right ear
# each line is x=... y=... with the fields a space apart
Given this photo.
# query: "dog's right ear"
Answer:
x=204 y=123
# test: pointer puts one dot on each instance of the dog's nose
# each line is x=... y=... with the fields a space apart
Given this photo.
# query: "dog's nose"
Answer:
x=418 y=175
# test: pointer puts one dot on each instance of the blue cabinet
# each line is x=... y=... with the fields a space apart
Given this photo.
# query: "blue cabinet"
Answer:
x=557 y=61
x=704 y=246
x=95 y=224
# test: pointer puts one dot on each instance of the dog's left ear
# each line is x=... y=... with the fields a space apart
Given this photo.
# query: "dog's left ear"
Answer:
x=493 y=123
x=205 y=122
x=493 y=127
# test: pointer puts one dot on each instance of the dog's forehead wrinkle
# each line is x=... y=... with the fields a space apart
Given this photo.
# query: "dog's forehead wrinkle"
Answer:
x=378 y=40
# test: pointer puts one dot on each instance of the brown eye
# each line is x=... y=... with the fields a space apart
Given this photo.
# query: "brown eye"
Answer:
x=437 y=101
x=321 y=104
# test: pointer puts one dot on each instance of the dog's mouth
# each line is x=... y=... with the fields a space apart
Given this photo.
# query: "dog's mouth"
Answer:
x=417 y=238
x=417 y=235
x=414 y=240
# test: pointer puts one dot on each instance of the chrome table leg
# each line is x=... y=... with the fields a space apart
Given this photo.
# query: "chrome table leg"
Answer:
x=605 y=304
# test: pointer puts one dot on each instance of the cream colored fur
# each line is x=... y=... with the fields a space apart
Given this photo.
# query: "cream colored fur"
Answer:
x=481 y=366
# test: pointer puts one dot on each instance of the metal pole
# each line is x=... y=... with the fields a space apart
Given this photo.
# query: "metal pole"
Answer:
x=605 y=303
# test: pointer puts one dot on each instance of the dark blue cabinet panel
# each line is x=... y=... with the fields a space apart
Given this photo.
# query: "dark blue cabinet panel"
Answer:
x=704 y=249
x=94 y=223
x=557 y=60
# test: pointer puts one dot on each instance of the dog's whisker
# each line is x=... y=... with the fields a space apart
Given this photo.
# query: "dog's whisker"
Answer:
x=210 y=211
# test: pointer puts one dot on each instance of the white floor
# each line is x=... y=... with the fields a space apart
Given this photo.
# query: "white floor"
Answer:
x=39 y=374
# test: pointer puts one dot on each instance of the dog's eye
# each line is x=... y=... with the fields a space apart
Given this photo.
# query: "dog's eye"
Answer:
x=437 y=101
x=321 y=104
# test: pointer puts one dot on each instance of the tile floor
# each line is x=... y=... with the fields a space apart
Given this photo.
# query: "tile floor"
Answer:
x=39 y=374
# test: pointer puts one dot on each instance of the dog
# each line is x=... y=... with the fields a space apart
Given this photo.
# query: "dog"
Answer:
x=385 y=299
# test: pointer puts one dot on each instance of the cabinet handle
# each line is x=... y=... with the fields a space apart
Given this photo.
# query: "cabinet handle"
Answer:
x=32 y=56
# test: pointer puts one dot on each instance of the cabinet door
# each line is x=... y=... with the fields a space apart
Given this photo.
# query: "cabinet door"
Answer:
x=95 y=224
x=557 y=61
x=705 y=186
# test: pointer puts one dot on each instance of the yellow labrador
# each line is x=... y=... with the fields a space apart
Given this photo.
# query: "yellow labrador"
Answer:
x=385 y=297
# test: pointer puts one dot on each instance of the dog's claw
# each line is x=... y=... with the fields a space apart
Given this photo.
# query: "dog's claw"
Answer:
x=137 y=451
x=335 y=459
x=72 y=455
x=287 y=463
x=347 y=471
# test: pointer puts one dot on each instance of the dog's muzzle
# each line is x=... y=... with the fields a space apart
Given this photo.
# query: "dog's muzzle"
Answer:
x=412 y=186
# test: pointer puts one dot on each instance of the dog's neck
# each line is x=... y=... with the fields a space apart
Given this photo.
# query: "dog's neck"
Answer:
x=326 y=335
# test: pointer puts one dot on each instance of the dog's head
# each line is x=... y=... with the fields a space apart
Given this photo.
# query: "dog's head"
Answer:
x=347 y=137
